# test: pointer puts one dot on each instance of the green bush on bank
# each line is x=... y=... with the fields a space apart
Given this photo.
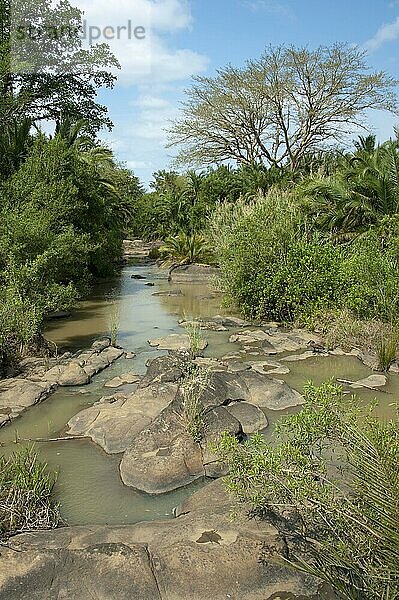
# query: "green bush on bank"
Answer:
x=346 y=517
x=271 y=267
x=276 y=265
x=61 y=224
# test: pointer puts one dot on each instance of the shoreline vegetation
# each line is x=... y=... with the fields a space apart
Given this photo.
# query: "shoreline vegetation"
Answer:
x=304 y=228
x=26 y=487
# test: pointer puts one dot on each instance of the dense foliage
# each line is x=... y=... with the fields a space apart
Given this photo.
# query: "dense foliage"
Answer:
x=346 y=516
x=185 y=202
x=64 y=209
x=324 y=241
x=270 y=266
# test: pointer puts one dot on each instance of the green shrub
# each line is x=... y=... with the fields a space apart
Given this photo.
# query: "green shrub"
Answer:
x=371 y=275
x=269 y=266
x=346 y=517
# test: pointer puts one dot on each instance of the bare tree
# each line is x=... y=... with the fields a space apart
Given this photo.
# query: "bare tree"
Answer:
x=280 y=107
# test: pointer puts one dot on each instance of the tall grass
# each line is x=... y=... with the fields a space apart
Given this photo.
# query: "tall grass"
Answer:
x=25 y=494
x=194 y=333
x=192 y=389
x=386 y=350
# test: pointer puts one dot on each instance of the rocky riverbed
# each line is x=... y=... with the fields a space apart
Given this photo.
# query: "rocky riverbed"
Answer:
x=39 y=377
x=203 y=553
x=138 y=421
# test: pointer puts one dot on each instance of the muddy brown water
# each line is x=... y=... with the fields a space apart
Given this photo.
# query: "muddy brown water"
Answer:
x=88 y=487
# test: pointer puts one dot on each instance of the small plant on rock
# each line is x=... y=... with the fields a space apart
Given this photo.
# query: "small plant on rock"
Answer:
x=193 y=329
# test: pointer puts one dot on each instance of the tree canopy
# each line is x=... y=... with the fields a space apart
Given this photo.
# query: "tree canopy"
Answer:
x=277 y=109
x=43 y=76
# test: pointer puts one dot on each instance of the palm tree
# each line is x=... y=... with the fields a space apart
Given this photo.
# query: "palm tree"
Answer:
x=364 y=190
x=15 y=141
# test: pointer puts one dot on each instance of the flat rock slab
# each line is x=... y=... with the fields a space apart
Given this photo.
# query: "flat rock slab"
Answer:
x=206 y=325
x=373 y=381
x=80 y=369
x=202 y=554
x=169 y=293
x=262 y=390
x=274 y=342
x=230 y=321
x=269 y=367
x=251 y=417
x=194 y=273
x=175 y=342
x=22 y=393
x=115 y=422
x=125 y=379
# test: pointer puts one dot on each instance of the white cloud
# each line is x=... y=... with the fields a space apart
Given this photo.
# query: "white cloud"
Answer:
x=147 y=59
x=270 y=6
x=386 y=33
x=152 y=116
x=138 y=164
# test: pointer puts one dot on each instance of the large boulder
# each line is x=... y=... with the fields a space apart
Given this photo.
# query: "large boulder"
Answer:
x=195 y=273
x=73 y=374
x=251 y=418
x=113 y=423
x=218 y=420
x=164 y=369
x=201 y=554
x=162 y=457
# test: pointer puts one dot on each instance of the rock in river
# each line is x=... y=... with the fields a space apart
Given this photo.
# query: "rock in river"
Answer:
x=113 y=423
x=194 y=273
x=162 y=457
x=175 y=341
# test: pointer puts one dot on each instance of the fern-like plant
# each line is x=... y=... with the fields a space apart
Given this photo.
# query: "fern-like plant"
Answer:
x=184 y=249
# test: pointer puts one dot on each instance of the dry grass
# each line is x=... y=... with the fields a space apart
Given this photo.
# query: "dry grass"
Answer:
x=192 y=389
x=114 y=325
x=342 y=329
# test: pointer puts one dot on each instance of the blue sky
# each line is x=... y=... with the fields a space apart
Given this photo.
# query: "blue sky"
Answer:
x=187 y=37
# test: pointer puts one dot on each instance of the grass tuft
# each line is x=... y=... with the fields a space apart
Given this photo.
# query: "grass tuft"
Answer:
x=192 y=389
x=25 y=494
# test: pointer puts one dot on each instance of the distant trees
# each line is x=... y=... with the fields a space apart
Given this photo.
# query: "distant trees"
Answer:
x=279 y=108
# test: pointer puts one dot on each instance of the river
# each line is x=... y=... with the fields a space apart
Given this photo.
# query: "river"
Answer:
x=88 y=488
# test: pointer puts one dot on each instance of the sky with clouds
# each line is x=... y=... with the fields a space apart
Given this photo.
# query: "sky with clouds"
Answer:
x=190 y=37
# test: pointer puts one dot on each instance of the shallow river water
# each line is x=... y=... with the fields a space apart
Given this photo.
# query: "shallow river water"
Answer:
x=88 y=487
